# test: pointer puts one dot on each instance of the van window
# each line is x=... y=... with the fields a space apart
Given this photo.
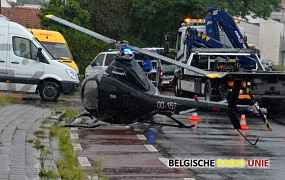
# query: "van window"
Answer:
x=24 y=48
x=109 y=59
x=98 y=61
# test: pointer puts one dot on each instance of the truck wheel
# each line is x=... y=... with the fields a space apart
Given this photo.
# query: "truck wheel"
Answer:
x=208 y=91
x=177 y=91
x=49 y=91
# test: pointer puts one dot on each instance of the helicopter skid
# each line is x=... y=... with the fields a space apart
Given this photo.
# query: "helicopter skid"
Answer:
x=178 y=124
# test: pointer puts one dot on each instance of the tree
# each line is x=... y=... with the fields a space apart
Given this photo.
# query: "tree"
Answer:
x=83 y=47
x=151 y=19
x=260 y=8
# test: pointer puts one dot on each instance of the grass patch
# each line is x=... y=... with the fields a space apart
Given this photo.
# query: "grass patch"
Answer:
x=68 y=167
x=39 y=133
x=71 y=113
x=9 y=99
x=48 y=174
x=98 y=168
x=44 y=153
x=30 y=141
x=37 y=144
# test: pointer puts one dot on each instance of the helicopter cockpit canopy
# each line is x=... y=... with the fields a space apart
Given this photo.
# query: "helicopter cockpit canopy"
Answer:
x=129 y=72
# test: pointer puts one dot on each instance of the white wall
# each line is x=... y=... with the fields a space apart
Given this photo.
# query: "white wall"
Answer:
x=4 y=3
x=270 y=40
x=251 y=31
x=267 y=36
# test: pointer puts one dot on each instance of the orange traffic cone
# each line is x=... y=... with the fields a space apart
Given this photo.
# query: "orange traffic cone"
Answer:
x=243 y=124
x=194 y=119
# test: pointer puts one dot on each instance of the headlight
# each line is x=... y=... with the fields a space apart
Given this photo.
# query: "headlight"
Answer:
x=72 y=74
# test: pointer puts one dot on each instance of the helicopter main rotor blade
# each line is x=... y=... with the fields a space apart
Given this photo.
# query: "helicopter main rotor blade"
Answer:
x=113 y=41
x=167 y=59
x=82 y=29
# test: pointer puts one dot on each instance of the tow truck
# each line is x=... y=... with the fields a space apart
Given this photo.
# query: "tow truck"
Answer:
x=218 y=68
x=210 y=36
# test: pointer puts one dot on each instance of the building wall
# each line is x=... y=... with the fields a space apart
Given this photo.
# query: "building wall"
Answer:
x=283 y=3
x=4 y=3
x=267 y=36
x=251 y=31
x=28 y=17
x=270 y=40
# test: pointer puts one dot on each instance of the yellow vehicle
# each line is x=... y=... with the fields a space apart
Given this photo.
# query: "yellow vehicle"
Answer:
x=55 y=43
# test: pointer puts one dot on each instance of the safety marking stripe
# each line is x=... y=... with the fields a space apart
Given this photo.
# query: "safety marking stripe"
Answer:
x=119 y=127
x=150 y=148
x=84 y=162
x=74 y=136
x=164 y=161
x=74 y=129
x=77 y=147
x=93 y=178
x=141 y=137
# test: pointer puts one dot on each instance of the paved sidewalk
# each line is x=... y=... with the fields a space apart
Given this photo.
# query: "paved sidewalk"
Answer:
x=17 y=156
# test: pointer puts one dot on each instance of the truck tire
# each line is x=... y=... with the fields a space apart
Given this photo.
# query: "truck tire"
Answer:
x=177 y=90
x=208 y=91
x=49 y=91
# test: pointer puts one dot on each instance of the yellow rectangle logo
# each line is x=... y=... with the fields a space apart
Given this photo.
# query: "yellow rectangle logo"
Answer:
x=231 y=163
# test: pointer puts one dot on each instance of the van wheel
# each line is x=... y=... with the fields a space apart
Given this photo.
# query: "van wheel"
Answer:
x=49 y=91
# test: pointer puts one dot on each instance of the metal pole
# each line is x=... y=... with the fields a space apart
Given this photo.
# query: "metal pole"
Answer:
x=0 y=6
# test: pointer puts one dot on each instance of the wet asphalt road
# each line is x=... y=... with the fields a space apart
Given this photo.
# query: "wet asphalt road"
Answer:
x=124 y=156
x=215 y=139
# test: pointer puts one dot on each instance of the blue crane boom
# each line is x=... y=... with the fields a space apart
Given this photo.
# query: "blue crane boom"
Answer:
x=216 y=20
x=220 y=18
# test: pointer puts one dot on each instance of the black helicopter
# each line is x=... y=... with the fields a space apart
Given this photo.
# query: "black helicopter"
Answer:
x=124 y=95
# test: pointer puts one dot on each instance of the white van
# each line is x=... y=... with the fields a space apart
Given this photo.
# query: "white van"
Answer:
x=26 y=66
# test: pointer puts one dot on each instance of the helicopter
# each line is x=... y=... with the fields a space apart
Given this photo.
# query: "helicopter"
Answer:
x=123 y=94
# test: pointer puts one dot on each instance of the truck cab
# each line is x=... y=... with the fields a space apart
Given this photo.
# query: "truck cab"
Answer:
x=26 y=66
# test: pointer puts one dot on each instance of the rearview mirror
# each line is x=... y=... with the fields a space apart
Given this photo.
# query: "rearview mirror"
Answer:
x=93 y=64
x=39 y=53
x=41 y=57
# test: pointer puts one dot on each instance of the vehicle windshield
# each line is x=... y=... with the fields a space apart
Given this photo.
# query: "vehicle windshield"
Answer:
x=168 y=67
x=57 y=50
x=39 y=44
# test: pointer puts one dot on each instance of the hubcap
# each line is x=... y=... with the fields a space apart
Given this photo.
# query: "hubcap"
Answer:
x=49 y=91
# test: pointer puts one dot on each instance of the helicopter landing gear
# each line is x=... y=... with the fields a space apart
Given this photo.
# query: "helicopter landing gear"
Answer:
x=178 y=124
